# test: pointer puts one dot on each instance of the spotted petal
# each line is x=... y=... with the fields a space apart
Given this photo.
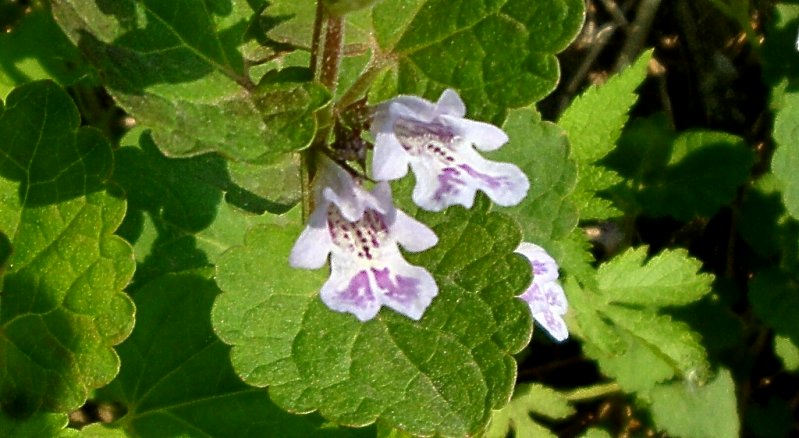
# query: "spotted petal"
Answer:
x=367 y=270
x=439 y=144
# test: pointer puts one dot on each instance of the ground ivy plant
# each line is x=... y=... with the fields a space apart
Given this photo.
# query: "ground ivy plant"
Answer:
x=346 y=218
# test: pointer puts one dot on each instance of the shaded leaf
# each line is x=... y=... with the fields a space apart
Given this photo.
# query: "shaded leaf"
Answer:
x=772 y=294
x=176 y=378
x=62 y=303
x=691 y=174
x=780 y=71
x=39 y=425
x=183 y=212
x=24 y=58
x=443 y=374
x=176 y=67
x=529 y=399
x=687 y=410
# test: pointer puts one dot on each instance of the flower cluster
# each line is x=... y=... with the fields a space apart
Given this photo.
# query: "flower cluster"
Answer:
x=361 y=230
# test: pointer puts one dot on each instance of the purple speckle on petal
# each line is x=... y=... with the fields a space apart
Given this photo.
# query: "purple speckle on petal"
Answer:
x=404 y=290
x=358 y=292
x=448 y=180
x=488 y=180
x=539 y=267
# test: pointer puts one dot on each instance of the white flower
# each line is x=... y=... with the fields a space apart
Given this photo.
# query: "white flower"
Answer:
x=361 y=230
x=545 y=296
x=438 y=144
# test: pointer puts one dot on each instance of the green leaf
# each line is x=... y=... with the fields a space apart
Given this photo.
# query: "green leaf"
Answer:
x=183 y=212
x=686 y=410
x=594 y=121
x=665 y=174
x=621 y=317
x=788 y=352
x=26 y=58
x=176 y=67
x=443 y=374
x=176 y=378
x=62 y=303
x=39 y=425
x=547 y=215
x=498 y=53
x=765 y=224
x=772 y=293
x=667 y=279
x=529 y=399
x=780 y=72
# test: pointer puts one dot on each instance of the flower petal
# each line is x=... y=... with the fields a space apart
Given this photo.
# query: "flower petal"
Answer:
x=405 y=288
x=555 y=297
x=314 y=244
x=504 y=183
x=483 y=136
x=553 y=324
x=438 y=188
x=390 y=160
x=413 y=235
x=350 y=290
x=544 y=266
x=451 y=104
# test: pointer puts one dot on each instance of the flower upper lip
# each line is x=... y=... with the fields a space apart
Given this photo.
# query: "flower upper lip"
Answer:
x=439 y=146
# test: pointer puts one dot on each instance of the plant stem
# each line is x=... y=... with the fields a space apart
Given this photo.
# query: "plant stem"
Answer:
x=331 y=57
x=592 y=392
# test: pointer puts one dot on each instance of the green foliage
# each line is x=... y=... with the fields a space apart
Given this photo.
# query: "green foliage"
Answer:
x=593 y=134
x=623 y=323
x=176 y=378
x=691 y=411
x=177 y=69
x=23 y=57
x=781 y=71
x=498 y=53
x=442 y=375
x=529 y=399
x=679 y=175
x=183 y=212
x=772 y=293
x=62 y=303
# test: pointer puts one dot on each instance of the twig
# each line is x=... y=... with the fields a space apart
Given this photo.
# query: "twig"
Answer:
x=638 y=32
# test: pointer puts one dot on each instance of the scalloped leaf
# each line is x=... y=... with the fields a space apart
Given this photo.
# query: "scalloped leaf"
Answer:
x=529 y=399
x=498 y=53
x=622 y=323
x=176 y=378
x=176 y=67
x=39 y=425
x=443 y=374
x=183 y=212
x=62 y=303
x=25 y=58
x=547 y=215
x=780 y=71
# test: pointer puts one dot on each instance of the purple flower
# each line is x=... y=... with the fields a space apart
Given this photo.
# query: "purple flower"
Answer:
x=545 y=296
x=438 y=144
x=361 y=230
